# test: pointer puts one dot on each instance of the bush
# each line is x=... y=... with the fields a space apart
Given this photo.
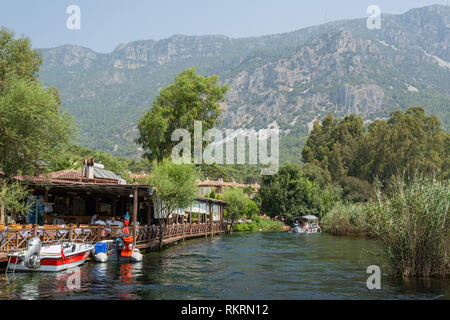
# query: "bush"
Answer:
x=413 y=226
x=346 y=219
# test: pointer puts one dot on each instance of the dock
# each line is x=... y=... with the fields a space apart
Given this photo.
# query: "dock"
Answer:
x=146 y=237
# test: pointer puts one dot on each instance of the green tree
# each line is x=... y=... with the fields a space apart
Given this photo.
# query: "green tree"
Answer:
x=17 y=59
x=251 y=210
x=236 y=204
x=289 y=194
x=190 y=98
x=175 y=186
x=32 y=126
x=12 y=198
x=406 y=143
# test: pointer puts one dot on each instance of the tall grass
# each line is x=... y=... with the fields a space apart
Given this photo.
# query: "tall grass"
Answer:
x=346 y=219
x=412 y=223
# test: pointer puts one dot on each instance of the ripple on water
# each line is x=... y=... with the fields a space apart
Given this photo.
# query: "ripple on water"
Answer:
x=241 y=266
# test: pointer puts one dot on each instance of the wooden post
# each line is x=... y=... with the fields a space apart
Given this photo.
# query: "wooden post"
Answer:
x=135 y=210
x=35 y=230
x=211 y=213
x=74 y=208
x=149 y=213
x=221 y=216
x=71 y=233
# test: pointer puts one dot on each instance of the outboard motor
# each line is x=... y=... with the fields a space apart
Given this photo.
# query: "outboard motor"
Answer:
x=32 y=257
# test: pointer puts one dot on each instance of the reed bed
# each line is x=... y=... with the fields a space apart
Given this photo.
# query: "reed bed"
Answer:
x=346 y=219
x=412 y=223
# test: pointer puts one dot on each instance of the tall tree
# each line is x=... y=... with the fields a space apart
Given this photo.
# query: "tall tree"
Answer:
x=17 y=58
x=190 y=98
x=32 y=126
x=176 y=187
x=408 y=142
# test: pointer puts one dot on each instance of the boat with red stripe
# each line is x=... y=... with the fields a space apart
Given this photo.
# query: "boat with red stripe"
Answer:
x=52 y=258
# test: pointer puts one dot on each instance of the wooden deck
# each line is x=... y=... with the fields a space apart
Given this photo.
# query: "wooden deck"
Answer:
x=146 y=236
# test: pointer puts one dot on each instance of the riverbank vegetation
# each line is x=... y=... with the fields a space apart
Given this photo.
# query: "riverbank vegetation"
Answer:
x=259 y=225
x=412 y=221
x=394 y=177
x=346 y=219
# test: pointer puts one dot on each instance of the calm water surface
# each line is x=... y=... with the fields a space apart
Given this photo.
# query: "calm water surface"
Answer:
x=241 y=266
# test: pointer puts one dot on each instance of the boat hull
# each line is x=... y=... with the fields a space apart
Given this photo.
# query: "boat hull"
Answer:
x=50 y=262
x=303 y=230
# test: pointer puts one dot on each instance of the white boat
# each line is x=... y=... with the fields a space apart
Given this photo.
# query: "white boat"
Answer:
x=120 y=250
x=52 y=258
x=306 y=224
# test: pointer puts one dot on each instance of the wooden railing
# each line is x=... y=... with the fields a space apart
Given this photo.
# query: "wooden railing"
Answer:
x=16 y=239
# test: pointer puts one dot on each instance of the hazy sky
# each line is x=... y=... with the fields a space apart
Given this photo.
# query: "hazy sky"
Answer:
x=107 y=23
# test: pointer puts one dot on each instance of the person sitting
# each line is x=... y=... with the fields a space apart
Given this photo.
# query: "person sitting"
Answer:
x=119 y=223
x=111 y=222
x=108 y=221
x=100 y=222
x=94 y=217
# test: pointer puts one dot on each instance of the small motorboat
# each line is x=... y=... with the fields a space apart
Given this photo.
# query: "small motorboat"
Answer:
x=306 y=224
x=52 y=258
x=121 y=249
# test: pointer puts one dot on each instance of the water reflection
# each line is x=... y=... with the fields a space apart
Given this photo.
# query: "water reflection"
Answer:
x=242 y=266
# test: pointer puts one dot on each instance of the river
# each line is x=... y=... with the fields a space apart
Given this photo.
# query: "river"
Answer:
x=240 y=266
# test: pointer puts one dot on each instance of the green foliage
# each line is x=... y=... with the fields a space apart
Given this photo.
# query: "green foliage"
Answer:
x=17 y=59
x=264 y=225
x=289 y=194
x=246 y=174
x=190 y=98
x=413 y=225
x=406 y=143
x=346 y=219
x=12 y=198
x=32 y=126
x=212 y=195
x=333 y=145
x=355 y=157
x=246 y=227
x=175 y=185
x=236 y=204
x=251 y=210
x=357 y=190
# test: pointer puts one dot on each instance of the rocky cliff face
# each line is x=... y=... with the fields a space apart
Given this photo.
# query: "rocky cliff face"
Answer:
x=288 y=79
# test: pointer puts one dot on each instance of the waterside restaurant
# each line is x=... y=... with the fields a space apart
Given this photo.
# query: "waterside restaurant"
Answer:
x=73 y=204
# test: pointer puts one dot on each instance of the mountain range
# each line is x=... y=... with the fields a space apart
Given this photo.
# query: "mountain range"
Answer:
x=286 y=80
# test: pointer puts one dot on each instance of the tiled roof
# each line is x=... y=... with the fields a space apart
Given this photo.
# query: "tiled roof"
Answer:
x=66 y=175
x=208 y=183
